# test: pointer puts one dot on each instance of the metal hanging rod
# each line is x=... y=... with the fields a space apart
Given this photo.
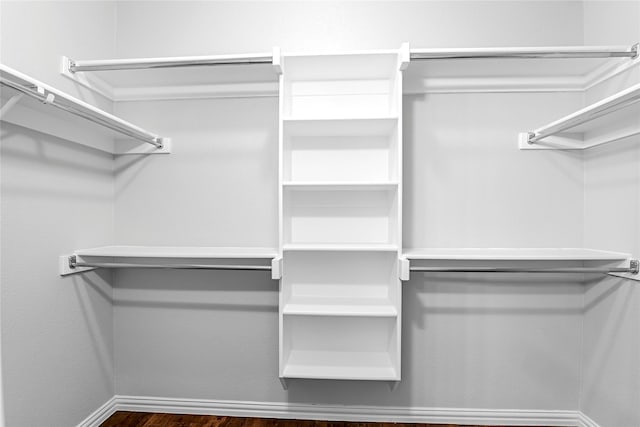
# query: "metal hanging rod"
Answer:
x=51 y=97
x=528 y=52
x=606 y=106
x=416 y=54
x=634 y=268
x=73 y=263
x=187 y=61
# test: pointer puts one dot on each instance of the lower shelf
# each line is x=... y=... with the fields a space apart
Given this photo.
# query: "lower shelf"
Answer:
x=339 y=347
x=351 y=365
x=338 y=306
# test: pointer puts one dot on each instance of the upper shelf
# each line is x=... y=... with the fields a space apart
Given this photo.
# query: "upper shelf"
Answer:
x=607 y=120
x=29 y=103
x=430 y=70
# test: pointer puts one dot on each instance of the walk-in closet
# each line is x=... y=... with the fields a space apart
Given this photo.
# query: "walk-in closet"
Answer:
x=375 y=211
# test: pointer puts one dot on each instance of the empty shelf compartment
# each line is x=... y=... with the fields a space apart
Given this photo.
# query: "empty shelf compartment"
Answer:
x=341 y=217
x=341 y=284
x=341 y=86
x=357 y=348
x=358 y=151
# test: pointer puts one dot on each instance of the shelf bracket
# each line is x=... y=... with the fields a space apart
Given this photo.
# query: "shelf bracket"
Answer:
x=284 y=383
x=276 y=268
x=405 y=56
x=67 y=265
x=10 y=104
x=404 y=268
x=277 y=60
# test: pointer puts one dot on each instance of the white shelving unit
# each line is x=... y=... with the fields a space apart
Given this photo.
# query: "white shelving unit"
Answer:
x=608 y=120
x=340 y=215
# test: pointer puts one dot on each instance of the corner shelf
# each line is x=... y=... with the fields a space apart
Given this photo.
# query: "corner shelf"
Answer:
x=607 y=120
x=71 y=118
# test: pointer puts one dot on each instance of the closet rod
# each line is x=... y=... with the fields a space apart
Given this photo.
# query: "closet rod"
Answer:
x=48 y=97
x=416 y=54
x=528 y=52
x=75 y=264
x=188 y=61
x=633 y=268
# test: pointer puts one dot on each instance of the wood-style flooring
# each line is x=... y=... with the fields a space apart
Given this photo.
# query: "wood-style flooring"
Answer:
x=139 y=419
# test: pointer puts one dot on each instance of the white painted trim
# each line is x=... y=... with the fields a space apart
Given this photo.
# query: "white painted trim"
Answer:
x=101 y=414
x=349 y=413
x=585 y=421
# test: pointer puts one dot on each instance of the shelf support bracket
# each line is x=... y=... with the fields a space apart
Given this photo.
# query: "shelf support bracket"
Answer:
x=276 y=268
x=10 y=104
x=67 y=265
x=404 y=269
x=277 y=60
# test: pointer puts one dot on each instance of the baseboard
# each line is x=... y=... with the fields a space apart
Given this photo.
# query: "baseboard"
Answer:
x=397 y=414
x=338 y=412
x=585 y=421
x=101 y=414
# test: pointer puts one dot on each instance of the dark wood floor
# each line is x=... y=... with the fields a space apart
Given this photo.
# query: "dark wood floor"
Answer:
x=139 y=419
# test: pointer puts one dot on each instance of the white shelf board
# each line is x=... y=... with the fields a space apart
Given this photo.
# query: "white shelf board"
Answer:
x=181 y=82
x=339 y=126
x=340 y=365
x=374 y=247
x=179 y=252
x=354 y=65
x=513 y=254
x=506 y=74
x=337 y=306
x=607 y=120
x=338 y=185
x=49 y=119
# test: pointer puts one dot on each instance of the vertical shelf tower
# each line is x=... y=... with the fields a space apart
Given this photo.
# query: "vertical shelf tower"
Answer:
x=341 y=215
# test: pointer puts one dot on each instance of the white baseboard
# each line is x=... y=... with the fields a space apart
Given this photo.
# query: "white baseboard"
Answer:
x=339 y=413
x=100 y=415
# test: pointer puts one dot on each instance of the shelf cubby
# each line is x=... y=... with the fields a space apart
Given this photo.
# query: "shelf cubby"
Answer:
x=340 y=86
x=356 y=150
x=350 y=348
x=327 y=216
x=345 y=284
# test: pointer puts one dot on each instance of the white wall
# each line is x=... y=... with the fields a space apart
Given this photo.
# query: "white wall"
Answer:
x=490 y=342
x=204 y=27
x=56 y=196
x=611 y=349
